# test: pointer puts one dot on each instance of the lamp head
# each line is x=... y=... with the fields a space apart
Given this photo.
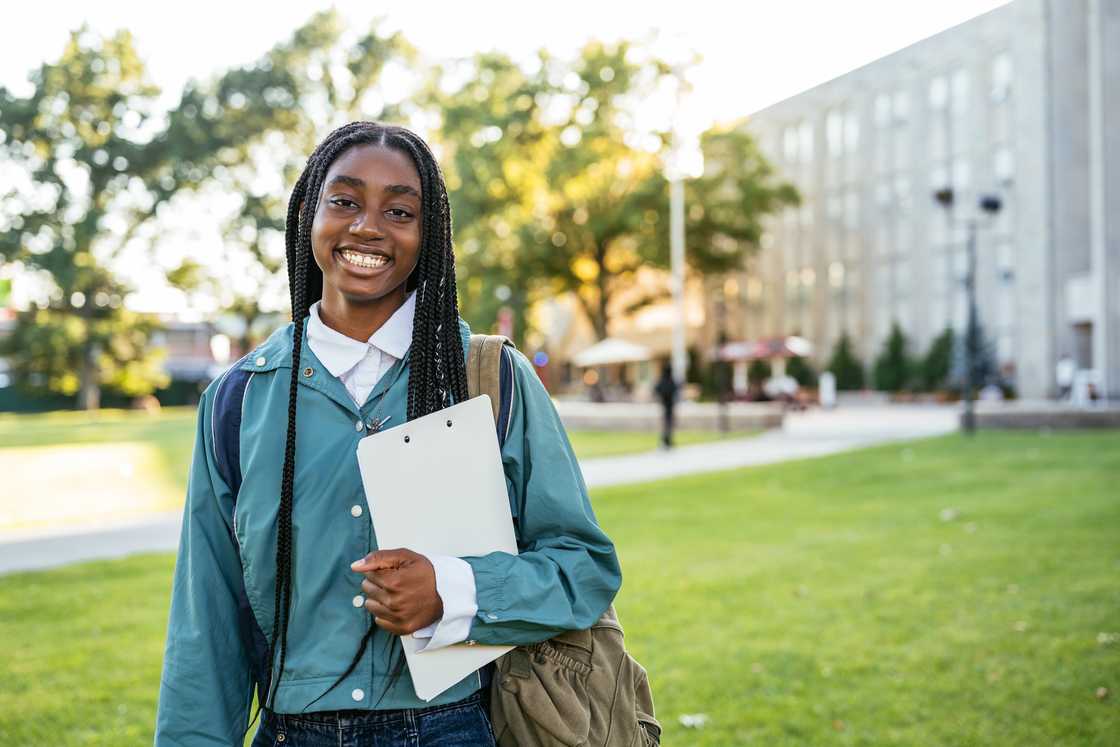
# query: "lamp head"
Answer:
x=990 y=204
x=944 y=197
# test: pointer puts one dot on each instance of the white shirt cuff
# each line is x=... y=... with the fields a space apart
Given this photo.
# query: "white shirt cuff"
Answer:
x=455 y=586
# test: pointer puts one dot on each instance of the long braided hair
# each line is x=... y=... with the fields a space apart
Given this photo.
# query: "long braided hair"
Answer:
x=437 y=374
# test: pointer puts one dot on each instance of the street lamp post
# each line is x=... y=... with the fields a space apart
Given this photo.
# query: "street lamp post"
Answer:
x=990 y=205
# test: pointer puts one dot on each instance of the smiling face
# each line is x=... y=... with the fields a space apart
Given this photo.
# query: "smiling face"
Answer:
x=366 y=233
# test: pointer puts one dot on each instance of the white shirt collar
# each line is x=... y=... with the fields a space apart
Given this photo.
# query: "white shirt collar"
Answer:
x=340 y=353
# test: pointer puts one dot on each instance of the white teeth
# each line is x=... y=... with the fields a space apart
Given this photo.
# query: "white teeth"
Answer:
x=364 y=260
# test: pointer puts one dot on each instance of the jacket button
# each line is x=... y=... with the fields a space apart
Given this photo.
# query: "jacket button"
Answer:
x=358 y=426
x=260 y=361
x=355 y=510
x=358 y=694
x=358 y=601
x=308 y=371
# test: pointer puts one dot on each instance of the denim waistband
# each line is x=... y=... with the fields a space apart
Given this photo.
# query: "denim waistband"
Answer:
x=356 y=717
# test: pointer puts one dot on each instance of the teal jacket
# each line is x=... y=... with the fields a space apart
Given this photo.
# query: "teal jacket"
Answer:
x=222 y=601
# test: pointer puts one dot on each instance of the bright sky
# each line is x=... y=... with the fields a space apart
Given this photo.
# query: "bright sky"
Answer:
x=753 y=52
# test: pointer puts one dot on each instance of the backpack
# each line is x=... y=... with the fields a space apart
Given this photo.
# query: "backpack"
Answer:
x=581 y=687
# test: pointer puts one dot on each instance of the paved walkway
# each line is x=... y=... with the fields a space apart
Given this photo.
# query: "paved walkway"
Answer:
x=804 y=435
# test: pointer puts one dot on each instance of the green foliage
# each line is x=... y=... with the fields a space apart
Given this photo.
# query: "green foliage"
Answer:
x=553 y=195
x=47 y=350
x=984 y=368
x=845 y=366
x=80 y=143
x=759 y=371
x=893 y=370
x=933 y=373
x=264 y=120
x=801 y=371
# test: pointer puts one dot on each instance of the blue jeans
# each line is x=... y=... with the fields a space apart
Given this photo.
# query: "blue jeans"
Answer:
x=461 y=724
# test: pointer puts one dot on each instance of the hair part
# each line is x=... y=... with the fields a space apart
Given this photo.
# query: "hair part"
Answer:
x=437 y=373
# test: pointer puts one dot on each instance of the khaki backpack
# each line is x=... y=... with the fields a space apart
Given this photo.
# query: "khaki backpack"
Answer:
x=581 y=688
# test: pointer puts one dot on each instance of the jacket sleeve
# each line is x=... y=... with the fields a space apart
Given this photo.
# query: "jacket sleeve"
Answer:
x=205 y=690
x=566 y=573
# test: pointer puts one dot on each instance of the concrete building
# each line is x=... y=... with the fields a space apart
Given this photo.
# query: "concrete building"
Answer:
x=1022 y=102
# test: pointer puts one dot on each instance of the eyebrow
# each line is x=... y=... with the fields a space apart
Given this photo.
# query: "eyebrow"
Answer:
x=353 y=181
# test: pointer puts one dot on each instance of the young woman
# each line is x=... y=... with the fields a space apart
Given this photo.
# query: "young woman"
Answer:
x=278 y=584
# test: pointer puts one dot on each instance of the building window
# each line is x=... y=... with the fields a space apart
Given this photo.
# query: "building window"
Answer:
x=938 y=93
x=962 y=174
x=960 y=91
x=834 y=133
x=851 y=132
x=1003 y=167
x=901 y=107
x=1001 y=78
x=882 y=110
x=789 y=144
x=805 y=141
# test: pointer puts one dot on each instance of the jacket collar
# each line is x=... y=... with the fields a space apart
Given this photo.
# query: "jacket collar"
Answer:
x=340 y=353
x=276 y=351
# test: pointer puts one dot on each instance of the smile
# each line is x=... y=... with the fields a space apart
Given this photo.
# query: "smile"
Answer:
x=358 y=259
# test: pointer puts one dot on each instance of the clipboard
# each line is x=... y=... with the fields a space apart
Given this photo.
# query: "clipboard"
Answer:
x=436 y=485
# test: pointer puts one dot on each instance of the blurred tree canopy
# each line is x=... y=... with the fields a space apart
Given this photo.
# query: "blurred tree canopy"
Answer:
x=86 y=177
x=271 y=115
x=553 y=189
x=553 y=193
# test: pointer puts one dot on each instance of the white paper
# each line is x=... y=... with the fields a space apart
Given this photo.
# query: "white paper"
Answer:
x=441 y=492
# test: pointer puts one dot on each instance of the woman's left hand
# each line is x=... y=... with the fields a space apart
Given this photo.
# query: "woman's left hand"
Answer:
x=400 y=588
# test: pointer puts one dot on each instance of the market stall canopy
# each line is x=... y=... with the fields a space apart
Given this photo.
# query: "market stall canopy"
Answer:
x=773 y=347
x=611 y=350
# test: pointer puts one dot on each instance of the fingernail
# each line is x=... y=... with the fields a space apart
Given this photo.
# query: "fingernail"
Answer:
x=356 y=562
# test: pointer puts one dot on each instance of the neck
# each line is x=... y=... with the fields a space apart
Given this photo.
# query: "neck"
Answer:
x=358 y=320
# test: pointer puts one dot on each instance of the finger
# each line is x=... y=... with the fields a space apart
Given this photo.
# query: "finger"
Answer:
x=387 y=580
x=381 y=560
x=389 y=627
x=373 y=591
x=381 y=612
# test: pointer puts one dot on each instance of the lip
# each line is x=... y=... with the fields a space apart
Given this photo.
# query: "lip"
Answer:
x=369 y=252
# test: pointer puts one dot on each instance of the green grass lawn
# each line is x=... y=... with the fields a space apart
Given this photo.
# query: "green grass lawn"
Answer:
x=946 y=592
x=138 y=463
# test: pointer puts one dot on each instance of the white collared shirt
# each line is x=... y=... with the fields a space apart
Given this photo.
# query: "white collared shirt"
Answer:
x=359 y=366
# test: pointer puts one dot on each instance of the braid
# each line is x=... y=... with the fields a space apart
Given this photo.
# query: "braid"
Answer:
x=437 y=372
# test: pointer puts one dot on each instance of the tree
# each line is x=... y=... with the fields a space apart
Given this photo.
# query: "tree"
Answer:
x=95 y=164
x=893 y=369
x=801 y=371
x=983 y=355
x=933 y=373
x=554 y=187
x=88 y=176
x=311 y=82
x=845 y=366
x=758 y=371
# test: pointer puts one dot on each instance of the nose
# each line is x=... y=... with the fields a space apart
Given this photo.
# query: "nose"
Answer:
x=366 y=226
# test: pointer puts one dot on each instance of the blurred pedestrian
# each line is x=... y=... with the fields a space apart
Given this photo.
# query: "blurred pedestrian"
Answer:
x=1063 y=376
x=667 y=389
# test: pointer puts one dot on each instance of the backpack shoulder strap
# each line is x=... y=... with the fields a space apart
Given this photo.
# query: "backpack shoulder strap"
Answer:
x=225 y=423
x=490 y=372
